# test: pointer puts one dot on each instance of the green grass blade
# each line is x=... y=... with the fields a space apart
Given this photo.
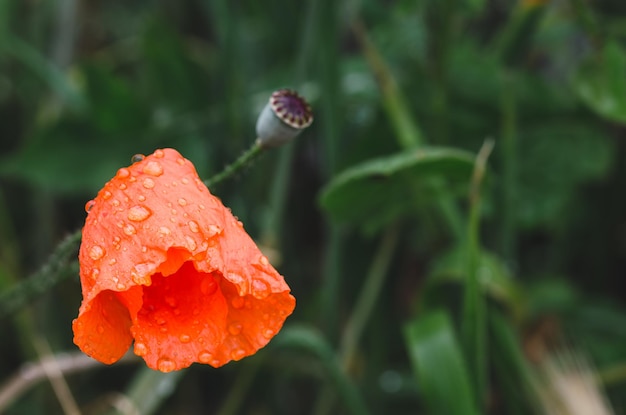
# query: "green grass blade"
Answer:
x=438 y=365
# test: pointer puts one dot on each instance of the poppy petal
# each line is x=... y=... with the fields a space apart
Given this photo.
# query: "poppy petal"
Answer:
x=194 y=285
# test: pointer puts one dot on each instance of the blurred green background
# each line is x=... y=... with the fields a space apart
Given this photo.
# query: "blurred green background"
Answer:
x=431 y=276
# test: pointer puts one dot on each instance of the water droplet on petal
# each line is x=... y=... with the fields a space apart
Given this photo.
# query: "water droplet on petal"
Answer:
x=171 y=301
x=166 y=365
x=268 y=333
x=141 y=198
x=121 y=286
x=153 y=168
x=182 y=201
x=201 y=206
x=238 y=354
x=123 y=172
x=96 y=252
x=238 y=302
x=184 y=338
x=184 y=180
x=159 y=153
x=208 y=286
x=164 y=231
x=106 y=195
x=115 y=202
x=100 y=329
x=112 y=261
x=240 y=224
x=161 y=321
x=148 y=183
x=204 y=356
x=191 y=243
x=136 y=158
x=122 y=186
x=95 y=273
x=129 y=229
x=235 y=328
x=214 y=230
x=263 y=260
x=138 y=213
x=89 y=205
x=260 y=289
x=193 y=226
x=140 y=349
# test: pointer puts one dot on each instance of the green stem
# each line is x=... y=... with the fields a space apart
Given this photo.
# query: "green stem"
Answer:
x=250 y=154
x=509 y=167
x=237 y=392
x=369 y=295
x=55 y=270
x=474 y=305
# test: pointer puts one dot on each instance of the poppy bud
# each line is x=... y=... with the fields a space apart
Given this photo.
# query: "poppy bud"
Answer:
x=283 y=118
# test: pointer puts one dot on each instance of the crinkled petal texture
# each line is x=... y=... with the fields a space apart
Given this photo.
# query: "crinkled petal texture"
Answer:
x=163 y=262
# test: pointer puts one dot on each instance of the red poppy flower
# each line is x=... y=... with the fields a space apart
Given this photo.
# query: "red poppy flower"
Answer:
x=163 y=262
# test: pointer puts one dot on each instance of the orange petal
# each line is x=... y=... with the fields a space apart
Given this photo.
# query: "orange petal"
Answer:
x=194 y=284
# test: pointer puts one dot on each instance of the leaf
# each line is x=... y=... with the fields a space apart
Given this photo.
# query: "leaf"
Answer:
x=601 y=83
x=378 y=191
x=438 y=365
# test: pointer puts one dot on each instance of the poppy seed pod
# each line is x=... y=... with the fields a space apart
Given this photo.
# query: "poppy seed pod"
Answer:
x=283 y=118
x=165 y=264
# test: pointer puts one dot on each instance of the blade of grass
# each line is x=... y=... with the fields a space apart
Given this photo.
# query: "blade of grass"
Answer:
x=438 y=365
x=474 y=304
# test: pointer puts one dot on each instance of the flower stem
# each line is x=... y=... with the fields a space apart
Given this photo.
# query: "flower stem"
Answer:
x=55 y=270
x=250 y=154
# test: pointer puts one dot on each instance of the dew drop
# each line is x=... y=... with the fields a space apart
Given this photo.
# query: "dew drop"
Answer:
x=144 y=249
x=96 y=252
x=193 y=226
x=138 y=213
x=184 y=338
x=122 y=186
x=161 y=321
x=166 y=365
x=214 y=230
x=112 y=261
x=95 y=273
x=106 y=195
x=235 y=278
x=141 y=198
x=268 y=333
x=204 y=357
x=184 y=180
x=235 y=328
x=208 y=286
x=201 y=206
x=240 y=224
x=137 y=158
x=123 y=172
x=148 y=183
x=238 y=354
x=237 y=302
x=100 y=329
x=89 y=205
x=121 y=286
x=263 y=260
x=129 y=229
x=153 y=168
x=171 y=301
x=164 y=230
x=163 y=329
x=191 y=243
x=181 y=161
x=182 y=201
x=260 y=289
x=115 y=202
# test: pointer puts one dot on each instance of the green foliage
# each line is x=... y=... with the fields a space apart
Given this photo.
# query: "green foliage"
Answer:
x=421 y=286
